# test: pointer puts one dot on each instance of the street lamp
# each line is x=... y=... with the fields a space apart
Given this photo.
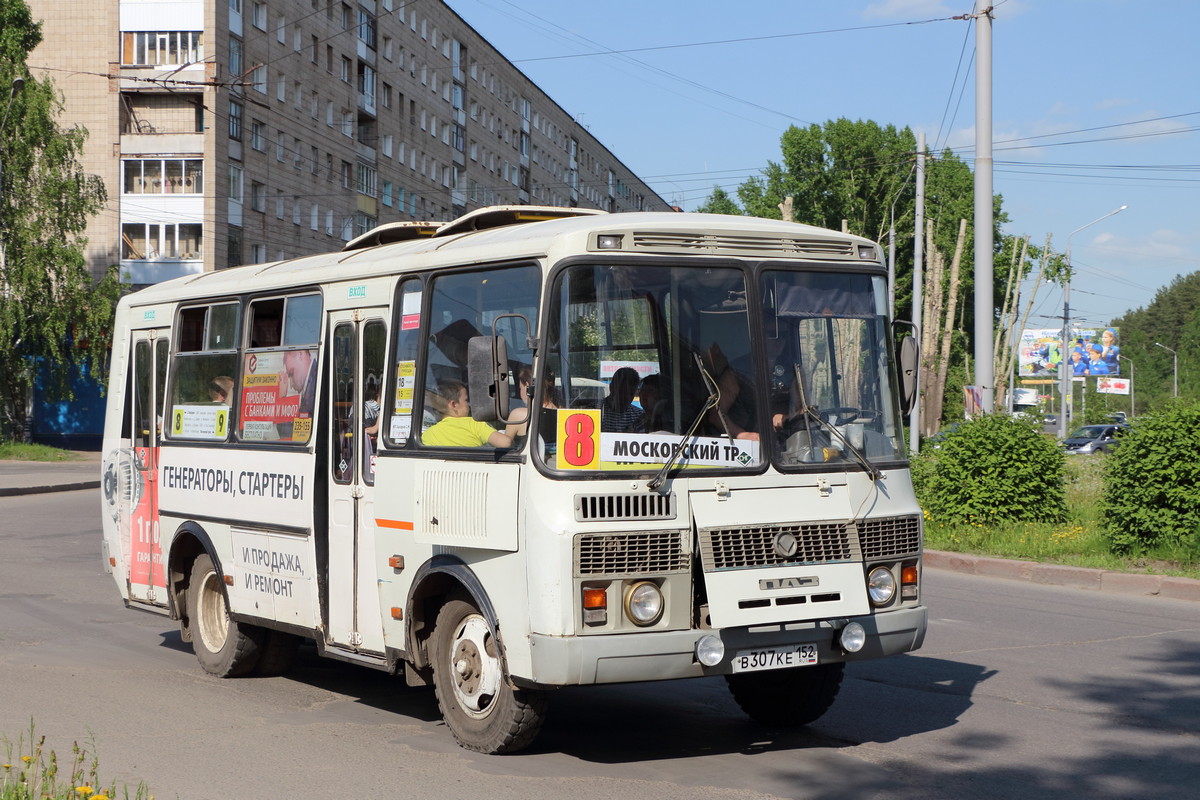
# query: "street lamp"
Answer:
x=1130 y=360
x=1175 y=358
x=1064 y=361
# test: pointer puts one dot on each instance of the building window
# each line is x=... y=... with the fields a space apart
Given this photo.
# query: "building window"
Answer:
x=141 y=241
x=258 y=77
x=366 y=182
x=279 y=204
x=258 y=136
x=234 y=248
x=345 y=71
x=163 y=176
x=258 y=16
x=315 y=217
x=235 y=57
x=161 y=48
x=386 y=198
x=258 y=252
x=235 y=120
x=258 y=196
x=345 y=174
x=235 y=183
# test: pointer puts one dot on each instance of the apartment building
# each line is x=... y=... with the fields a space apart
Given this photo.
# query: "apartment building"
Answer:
x=243 y=131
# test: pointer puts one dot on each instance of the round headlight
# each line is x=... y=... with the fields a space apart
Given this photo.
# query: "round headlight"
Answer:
x=852 y=637
x=710 y=650
x=881 y=586
x=644 y=603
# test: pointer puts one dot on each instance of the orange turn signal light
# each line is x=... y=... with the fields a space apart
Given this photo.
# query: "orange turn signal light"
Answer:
x=908 y=574
x=397 y=613
x=595 y=598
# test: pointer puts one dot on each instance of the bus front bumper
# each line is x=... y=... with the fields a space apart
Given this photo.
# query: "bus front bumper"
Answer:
x=666 y=655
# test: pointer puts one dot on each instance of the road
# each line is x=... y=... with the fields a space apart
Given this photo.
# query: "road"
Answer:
x=1021 y=690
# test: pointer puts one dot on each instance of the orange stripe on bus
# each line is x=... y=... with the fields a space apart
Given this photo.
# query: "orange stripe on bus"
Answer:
x=394 y=523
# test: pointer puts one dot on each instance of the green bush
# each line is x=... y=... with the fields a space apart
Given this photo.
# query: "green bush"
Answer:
x=1151 y=497
x=992 y=469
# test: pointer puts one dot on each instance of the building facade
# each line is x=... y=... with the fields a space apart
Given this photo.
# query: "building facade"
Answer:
x=243 y=131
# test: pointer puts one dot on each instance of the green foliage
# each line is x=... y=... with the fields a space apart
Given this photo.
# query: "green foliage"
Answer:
x=1171 y=319
x=992 y=469
x=52 y=312
x=1151 y=496
x=32 y=772
x=719 y=202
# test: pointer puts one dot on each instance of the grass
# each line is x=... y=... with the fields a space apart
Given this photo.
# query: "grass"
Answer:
x=1078 y=542
x=19 y=451
x=31 y=772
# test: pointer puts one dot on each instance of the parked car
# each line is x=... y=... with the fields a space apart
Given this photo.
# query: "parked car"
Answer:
x=1094 y=439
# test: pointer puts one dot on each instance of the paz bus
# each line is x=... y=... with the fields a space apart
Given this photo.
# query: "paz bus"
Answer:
x=526 y=449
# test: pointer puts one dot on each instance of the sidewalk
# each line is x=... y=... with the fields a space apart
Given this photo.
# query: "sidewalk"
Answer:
x=36 y=477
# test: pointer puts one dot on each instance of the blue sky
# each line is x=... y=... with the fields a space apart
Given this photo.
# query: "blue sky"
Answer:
x=702 y=91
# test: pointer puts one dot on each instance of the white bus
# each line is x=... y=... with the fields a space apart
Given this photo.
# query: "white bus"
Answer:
x=526 y=449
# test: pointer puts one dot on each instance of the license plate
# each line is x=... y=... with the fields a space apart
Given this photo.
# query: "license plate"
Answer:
x=775 y=658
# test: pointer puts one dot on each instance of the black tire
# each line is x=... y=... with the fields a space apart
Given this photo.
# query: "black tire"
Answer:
x=481 y=708
x=223 y=647
x=278 y=652
x=787 y=698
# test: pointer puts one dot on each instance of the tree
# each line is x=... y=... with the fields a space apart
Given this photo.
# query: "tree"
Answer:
x=53 y=315
x=719 y=202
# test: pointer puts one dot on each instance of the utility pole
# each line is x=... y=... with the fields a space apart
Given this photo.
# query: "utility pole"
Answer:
x=914 y=417
x=984 y=301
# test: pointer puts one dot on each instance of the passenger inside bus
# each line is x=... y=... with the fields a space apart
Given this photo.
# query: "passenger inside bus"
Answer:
x=618 y=413
x=220 y=388
x=457 y=428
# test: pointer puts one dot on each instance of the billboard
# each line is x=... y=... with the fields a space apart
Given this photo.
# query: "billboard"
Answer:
x=1089 y=352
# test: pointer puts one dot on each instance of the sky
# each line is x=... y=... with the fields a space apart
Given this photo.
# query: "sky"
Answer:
x=1096 y=105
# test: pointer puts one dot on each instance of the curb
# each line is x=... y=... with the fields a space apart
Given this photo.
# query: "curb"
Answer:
x=13 y=491
x=1096 y=580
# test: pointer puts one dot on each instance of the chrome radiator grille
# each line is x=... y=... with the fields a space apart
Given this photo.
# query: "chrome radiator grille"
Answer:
x=649 y=552
x=828 y=542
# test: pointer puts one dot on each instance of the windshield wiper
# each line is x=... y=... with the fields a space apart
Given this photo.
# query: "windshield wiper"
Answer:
x=812 y=412
x=713 y=401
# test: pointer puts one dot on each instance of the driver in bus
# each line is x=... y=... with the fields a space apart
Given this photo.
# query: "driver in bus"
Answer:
x=457 y=428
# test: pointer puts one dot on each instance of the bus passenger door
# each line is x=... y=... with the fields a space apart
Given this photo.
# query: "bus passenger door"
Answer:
x=358 y=343
x=141 y=533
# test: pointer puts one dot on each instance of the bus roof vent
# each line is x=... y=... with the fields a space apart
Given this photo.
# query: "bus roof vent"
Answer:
x=717 y=242
x=621 y=507
x=501 y=216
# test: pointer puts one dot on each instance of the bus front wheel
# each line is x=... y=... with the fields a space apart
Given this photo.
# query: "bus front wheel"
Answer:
x=224 y=648
x=787 y=698
x=482 y=709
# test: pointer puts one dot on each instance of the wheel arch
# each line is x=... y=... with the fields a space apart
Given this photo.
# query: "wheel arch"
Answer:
x=190 y=541
x=438 y=580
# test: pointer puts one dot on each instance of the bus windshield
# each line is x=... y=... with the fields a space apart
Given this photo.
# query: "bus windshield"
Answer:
x=650 y=364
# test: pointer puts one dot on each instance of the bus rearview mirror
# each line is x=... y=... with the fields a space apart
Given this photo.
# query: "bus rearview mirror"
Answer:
x=488 y=377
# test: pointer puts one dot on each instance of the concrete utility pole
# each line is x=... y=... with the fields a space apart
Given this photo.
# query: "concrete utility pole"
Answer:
x=984 y=302
x=785 y=209
x=914 y=417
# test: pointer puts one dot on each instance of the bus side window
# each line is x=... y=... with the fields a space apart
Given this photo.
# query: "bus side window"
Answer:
x=403 y=379
x=465 y=305
x=279 y=369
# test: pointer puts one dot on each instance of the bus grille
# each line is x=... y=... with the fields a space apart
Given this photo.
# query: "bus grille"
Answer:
x=643 y=553
x=624 y=507
x=736 y=548
x=817 y=543
x=889 y=537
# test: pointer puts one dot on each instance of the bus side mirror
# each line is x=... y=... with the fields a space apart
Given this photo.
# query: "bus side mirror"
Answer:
x=910 y=360
x=488 y=377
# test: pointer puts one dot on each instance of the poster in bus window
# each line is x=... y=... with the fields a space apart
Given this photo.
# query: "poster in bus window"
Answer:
x=278 y=395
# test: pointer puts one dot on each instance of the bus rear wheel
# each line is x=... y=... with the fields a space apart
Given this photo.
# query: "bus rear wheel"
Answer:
x=787 y=698
x=480 y=706
x=224 y=648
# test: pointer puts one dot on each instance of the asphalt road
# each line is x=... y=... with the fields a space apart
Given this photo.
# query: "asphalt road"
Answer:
x=1021 y=690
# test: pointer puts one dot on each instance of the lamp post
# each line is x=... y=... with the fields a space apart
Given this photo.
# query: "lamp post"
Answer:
x=1175 y=358
x=1064 y=362
x=1130 y=360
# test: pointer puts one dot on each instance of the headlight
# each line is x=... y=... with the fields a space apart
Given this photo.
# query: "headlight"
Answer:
x=881 y=586
x=852 y=638
x=710 y=650
x=644 y=603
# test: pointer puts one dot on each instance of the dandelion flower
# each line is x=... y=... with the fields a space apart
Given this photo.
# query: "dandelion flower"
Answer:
x=98 y=797
x=83 y=789
x=27 y=759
